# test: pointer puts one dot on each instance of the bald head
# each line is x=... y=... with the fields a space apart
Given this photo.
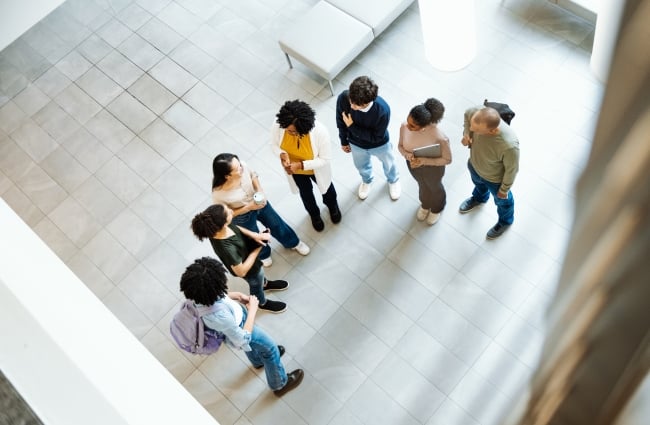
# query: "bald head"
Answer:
x=485 y=121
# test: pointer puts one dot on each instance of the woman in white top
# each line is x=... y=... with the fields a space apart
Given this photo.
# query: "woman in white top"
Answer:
x=234 y=184
x=419 y=130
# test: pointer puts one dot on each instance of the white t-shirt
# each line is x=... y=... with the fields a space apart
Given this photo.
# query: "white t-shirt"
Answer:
x=238 y=196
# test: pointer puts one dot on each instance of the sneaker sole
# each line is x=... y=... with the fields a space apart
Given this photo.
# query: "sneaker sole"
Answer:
x=273 y=311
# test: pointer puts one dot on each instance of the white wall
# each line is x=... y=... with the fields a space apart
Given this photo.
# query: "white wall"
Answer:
x=17 y=16
x=71 y=360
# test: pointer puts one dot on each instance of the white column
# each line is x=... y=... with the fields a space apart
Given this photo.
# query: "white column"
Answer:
x=449 y=32
x=607 y=22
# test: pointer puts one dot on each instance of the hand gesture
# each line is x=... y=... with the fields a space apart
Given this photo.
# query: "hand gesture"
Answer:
x=252 y=303
x=346 y=148
x=286 y=163
x=347 y=119
x=415 y=162
x=466 y=140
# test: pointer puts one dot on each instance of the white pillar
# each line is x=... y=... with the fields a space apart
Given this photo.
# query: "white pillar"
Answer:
x=449 y=32
x=608 y=19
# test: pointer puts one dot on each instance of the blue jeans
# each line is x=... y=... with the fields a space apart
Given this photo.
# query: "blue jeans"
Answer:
x=482 y=191
x=280 y=230
x=264 y=352
x=256 y=285
x=362 y=159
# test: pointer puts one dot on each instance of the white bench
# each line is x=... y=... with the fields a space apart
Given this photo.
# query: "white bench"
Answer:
x=334 y=32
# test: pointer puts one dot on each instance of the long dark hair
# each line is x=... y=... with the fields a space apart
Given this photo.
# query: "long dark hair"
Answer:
x=221 y=168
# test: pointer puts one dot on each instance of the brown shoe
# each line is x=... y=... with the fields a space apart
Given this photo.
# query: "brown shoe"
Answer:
x=295 y=378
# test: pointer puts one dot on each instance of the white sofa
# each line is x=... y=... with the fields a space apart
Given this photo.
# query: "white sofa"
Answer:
x=334 y=32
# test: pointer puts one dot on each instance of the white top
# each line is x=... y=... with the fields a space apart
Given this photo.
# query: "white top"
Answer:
x=239 y=196
x=236 y=308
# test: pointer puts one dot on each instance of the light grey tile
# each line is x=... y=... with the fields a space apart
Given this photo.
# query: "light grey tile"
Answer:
x=94 y=48
x=78 y=104
x=34 y=140
x=58 y=124
x=99 y=86
x=308 y=300
x=365 y=222
x=55 y=239
x=187 y=121
x=207 y=102
x=31 y=99
x=152 y=94
x=202 y=8
x=109 y=131
x=100 y=202
x=314 y=403
x=165 y=140
x=134 y=16
x=121 y=180
x=153 y=6
x=211 y=398
x=14 y=162
x=180 y=191
x=193 y=59
x=52 y=82
x=503 y=370
x=5 y=183
x=73 y=65
x=449 y=244
x=11 y=117
x=239 y=59
x=160 y=35
x=75 y=221
x=46 y=42
x=245 y=130
x=167 y=354
x=365 y=401
x=22 y=205
x=210 y=41
x=120 y=69
x=142 y=159
x=87 y=149
x=482 y=400
x=179 y=19
x=346 y=249
x=172 y=76
x=451 y=413
x=141 y=288
x=64 y=169
x=66 y=26
x=131 y=112
x=127 y=313
x=114 y=32
x=228 y=84
x=140 y=52
x=196 y=165
x=90 y=275
x=41 y=189
x=111 y=258
x=26 y=60
x=134 y=234
x=237 y=21
x=167 y=265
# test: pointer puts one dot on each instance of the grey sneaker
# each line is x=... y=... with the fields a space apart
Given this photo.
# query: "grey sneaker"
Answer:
x=468 y=205
x=497 y=230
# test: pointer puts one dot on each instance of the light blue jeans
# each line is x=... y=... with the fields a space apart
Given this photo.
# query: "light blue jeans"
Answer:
x=363 y=161
x=481 y=193
x=264 y=352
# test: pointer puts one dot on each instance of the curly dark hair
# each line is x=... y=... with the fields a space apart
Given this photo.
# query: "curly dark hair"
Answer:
x=221 y=168
x=204 y=281
x=429 y=112
x=298 y=113
x=363 y=90
x=205 y=224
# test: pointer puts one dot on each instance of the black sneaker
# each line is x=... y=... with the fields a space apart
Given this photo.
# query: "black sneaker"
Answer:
x=276 y=285
x=317 y=222
x=335 y=214
x=280 y=349
x=295 y=378
x=273 y=306
x=468 y=205
x=497 y=230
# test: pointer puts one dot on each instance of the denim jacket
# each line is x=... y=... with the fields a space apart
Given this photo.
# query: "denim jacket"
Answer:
x=223 y=321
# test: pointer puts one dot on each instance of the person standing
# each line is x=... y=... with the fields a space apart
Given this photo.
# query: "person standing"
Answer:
x=362 y=118
x=205 y=283
x=420 y=130
x=239 y=248
x=493 y=164
x=303 y=145
x=235 y=185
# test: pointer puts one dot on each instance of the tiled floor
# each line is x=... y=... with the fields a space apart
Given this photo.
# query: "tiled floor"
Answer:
x=110 y=115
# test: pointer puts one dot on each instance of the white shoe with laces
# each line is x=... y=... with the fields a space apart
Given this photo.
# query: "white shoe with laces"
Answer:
x=364 y=190
x=302 y=248
x=395 y=190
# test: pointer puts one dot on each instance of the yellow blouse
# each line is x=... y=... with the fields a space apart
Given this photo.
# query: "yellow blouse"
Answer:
x=298 y=148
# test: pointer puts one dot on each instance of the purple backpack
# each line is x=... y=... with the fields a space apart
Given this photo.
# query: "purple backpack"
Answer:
x=188 y=330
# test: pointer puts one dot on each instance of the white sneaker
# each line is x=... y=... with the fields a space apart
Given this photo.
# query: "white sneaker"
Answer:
x=421 y=214
x=267 y=262
x=433 y=218
x=364 y=190
x=302 y=248
x=395 y=190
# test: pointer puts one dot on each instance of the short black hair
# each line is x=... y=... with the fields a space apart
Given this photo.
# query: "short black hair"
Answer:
x=205 y=224
x=298 y=113
x=204 y=281
x=429 y=112
x=363 y=90
x=221 y=168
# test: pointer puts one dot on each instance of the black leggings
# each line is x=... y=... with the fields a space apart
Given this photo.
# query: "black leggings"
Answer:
x=304 y=183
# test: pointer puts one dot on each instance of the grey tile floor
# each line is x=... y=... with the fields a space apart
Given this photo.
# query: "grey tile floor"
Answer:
x=110 y=115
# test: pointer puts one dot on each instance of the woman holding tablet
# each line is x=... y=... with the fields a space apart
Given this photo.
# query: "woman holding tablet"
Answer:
x=425 y=161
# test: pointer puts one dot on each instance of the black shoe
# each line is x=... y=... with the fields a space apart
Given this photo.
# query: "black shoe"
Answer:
x=468 y=205
x=295 y=378
x=317 y=222
x=273 y=306
x=497 y=230
x=276 y=285
x=335 y=214
x=280 y=349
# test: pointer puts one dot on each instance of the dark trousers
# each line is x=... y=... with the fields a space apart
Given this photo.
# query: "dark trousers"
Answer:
x=482 y=190
x=431 y=191
x=304 y=183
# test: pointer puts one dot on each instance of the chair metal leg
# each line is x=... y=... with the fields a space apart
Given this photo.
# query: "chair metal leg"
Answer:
x=331 y=86
x=288 y=60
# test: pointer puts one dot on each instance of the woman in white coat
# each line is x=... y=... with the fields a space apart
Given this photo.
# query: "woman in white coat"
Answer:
x=303 y=145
